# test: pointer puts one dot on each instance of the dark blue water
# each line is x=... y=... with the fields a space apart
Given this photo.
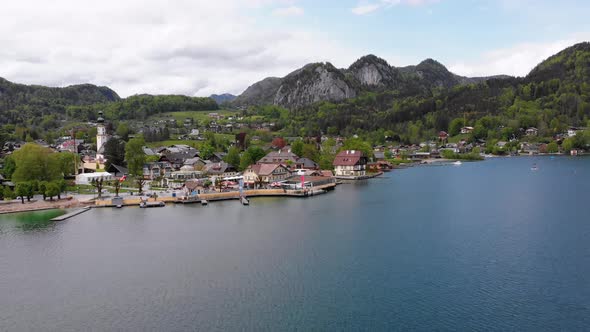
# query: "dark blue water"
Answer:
x=483 y=246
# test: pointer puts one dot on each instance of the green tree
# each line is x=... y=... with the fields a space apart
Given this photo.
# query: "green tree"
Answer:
x=455 y=127
x=123 y=131
x=256 y=153
x=552 y=147
x=358 y=144
x=245 y=160
x=24 y=190
x=52 y=190
x=114 y=152
x=206 y=150
x=43 y=188
x=116 y=184
x=9 y=167
x=233 y=157
x=567 y=145
x=96 y=183
x=34 y=162
x=297 y=147
x=8 y=194
x=135 y=156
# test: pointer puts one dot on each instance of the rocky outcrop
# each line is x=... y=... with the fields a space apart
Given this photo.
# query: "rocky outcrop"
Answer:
x=373 y=72
x=313 y=83
x=323 y=82
x=260 y=93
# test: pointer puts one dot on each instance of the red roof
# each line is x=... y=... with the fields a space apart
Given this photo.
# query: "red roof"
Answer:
x=349 y=158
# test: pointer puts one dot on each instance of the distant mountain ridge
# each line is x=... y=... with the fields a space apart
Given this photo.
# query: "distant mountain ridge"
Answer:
x=223 y=98
x=323 y=82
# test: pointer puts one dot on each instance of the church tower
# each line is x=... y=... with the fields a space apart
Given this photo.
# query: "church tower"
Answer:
x=101 y=136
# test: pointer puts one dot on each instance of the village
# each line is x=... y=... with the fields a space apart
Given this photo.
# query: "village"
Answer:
x=192 y=172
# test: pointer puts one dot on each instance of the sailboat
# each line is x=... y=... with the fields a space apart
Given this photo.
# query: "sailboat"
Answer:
x=534 y=168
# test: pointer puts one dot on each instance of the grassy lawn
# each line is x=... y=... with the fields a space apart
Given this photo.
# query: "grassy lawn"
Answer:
x=200 y=116
x=193 y=143
x=458 y=138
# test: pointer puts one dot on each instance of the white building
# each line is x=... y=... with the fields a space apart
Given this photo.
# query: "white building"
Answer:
x=101 y=137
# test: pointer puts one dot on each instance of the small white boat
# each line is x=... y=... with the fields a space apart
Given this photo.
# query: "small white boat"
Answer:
x=534 y=168
x=457 y=163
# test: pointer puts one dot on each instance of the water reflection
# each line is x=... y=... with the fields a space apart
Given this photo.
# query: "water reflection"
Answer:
x=28 y=221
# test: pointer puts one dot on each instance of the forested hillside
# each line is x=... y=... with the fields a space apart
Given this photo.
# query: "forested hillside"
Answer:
x=555 y=95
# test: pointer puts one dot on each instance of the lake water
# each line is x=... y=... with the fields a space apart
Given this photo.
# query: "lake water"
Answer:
x=483 y=246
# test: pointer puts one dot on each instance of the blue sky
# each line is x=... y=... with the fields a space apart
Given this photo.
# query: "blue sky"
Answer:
x=199 y=47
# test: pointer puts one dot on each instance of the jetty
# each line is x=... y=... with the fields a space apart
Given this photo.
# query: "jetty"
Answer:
x=70 y=214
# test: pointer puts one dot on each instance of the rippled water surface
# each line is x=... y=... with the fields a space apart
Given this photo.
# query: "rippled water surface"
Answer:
x=488 y=245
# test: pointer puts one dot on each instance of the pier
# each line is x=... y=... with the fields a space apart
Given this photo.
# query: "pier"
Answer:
x=71 y=214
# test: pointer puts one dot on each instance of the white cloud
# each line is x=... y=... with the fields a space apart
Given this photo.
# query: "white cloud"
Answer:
x=193 y=47
x=288 y=11
x=364 y=7
x=517 y=60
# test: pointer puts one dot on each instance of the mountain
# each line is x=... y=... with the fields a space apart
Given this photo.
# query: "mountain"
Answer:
x=222 y=98
x=259 y=93
x=570 y=65
x=13 y=95
x=317 y=82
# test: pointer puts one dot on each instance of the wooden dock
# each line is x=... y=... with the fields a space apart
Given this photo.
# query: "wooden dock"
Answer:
x=71 y=214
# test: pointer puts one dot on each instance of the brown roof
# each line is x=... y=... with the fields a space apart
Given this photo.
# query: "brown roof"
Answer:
x=349 y=158
x=264 y=169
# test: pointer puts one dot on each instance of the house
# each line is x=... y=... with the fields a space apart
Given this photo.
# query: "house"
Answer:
x=265 y=173
x=177 y=157
x=117 y=171
x=157 y=169
x=306 y=163
x=222 y=169
x=350 y=163
x=532 y=131
x=379 y=155
x=572 y=131
x=443 y=135
x=196 y=163
x=282 y=156
x=217 y=157
x=530 y=148
x=466 y=130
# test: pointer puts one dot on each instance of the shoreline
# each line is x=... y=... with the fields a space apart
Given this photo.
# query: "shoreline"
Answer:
x=40 y=205
x=70 y=202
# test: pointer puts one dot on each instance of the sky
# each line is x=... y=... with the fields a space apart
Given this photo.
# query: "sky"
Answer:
x=201 y=47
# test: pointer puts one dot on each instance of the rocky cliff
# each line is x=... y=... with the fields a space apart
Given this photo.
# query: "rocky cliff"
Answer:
x=323 y=82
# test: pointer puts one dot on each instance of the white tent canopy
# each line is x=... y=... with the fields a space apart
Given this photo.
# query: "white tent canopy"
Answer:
x=86 y=178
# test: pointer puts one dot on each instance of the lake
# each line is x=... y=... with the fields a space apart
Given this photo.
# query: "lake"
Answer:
x=483 y=246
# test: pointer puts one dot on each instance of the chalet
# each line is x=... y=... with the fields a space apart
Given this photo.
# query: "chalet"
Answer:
x=196 y=163
x=279 y=157
x=532 y=131
x=222 y=169
x=351 y=163
x=265 y=173
x=443 y=136
x=177 y=158
x=157 y=169
x=466 y=130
